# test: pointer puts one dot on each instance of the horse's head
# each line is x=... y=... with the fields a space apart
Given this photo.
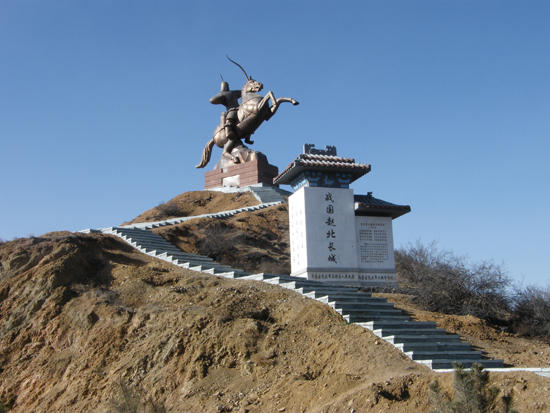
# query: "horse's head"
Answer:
x=252 y=86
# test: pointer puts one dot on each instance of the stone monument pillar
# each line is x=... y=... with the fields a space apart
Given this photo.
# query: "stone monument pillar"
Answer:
x=335 y=236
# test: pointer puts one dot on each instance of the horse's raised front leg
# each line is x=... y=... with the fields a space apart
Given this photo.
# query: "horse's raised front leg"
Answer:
x=289 y=100
x=265 y=101
x=276 y=103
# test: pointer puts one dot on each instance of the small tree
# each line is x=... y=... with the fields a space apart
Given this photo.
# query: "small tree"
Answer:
x=472 y=393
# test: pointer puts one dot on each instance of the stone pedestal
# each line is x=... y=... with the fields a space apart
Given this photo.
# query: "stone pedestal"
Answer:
x=243 y=174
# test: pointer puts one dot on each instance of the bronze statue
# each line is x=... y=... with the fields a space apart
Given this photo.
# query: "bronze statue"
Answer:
x=240 y=121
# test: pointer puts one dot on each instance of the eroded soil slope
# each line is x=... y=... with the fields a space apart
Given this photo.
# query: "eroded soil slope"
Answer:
x=84 y=318
x=256 y=241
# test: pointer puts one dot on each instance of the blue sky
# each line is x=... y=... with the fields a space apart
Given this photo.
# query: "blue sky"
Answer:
x=104 y=109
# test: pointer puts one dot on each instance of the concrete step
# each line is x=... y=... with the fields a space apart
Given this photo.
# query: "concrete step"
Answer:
x=434 y=347
x=324 y=291
x=208 y=268
x=270 y=278
x=236 y=274
x=352 y=318
x=375 y=325
x=374 y=312
x=155 y=245
x=446 y=355
x=326 y=298
x=415 y=339
x=448 y=364
x=143 y=238
x=183 y=256
x=434 y=333
x=163 y=250
x=360 y=305
x=136 y=233
x=317 y=286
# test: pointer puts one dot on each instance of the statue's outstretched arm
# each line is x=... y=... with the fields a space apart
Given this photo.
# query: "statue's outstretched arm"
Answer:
x=219 y=99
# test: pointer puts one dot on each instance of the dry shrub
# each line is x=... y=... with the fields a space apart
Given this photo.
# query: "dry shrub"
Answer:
x=443 y=282
x=170 y=209
x=274 y=267
x=221 y=242
x=532 y=312
x=265 y=359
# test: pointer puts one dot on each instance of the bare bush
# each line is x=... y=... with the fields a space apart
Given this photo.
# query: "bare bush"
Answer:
x=532 y=312
x=169 y=209
x=221 y=242
x=272 y=267
x=444 y=282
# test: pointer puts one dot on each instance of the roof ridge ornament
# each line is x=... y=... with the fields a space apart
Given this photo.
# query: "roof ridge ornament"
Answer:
x=309 y=148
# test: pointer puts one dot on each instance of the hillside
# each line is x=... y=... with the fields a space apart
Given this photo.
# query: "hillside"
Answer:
x=85 y=318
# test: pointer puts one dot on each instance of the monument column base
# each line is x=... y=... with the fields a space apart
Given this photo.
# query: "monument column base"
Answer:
x=243 y=174
x=349 y=277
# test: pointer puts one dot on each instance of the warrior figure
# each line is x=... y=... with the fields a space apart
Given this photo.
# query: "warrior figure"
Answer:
x=229 y=99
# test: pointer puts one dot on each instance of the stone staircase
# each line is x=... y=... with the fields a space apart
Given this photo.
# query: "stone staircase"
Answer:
x=264 y=193
x=174 y=221
x=267 y=193
x=420 y=341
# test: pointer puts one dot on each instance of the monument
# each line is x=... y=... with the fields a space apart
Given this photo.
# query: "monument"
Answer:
x=239 y=165
x=335 y=236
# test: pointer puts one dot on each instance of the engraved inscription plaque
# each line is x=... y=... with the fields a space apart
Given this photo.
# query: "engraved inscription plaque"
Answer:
x=375 y=242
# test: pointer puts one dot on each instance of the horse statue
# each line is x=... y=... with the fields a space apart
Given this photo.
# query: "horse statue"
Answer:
x=250 y=114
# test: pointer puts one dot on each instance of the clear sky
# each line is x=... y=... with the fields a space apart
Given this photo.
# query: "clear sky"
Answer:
x=104 y=109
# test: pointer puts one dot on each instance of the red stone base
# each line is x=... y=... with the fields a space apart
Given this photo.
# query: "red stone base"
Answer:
x=244 y=174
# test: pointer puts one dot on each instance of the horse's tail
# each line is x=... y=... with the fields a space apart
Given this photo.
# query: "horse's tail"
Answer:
x=206 y=153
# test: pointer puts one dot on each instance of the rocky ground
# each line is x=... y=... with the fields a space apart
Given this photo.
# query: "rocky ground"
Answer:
x=87 y=323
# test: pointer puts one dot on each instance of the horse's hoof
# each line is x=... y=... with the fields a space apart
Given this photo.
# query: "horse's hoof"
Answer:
x=295 y=103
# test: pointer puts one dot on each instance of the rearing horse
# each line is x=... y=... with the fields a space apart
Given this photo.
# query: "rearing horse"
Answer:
x=253 y=111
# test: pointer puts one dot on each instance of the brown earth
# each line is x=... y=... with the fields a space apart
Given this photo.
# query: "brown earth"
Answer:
x=255 y=241
x=196 y=203
x=85 y=319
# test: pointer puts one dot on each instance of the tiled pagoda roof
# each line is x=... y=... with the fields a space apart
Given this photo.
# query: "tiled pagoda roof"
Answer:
x=324 y=163
x=369 y=205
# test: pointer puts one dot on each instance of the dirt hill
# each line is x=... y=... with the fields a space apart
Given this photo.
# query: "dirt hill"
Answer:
x=87 y=323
